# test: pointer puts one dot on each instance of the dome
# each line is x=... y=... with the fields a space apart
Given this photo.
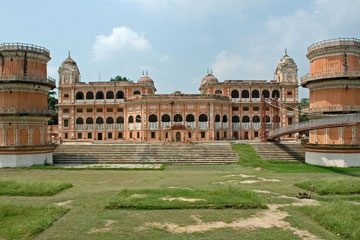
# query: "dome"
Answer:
x=145 y=80
x=209 y=78
x=286 y=62
x=69 y=63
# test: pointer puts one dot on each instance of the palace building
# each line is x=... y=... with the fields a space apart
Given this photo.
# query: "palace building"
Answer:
x=125 y=110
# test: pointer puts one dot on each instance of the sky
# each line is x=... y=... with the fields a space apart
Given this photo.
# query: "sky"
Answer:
x=177 y=41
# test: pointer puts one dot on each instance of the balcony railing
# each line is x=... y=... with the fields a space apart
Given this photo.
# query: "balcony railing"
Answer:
x=131 y=126
x=255 y=99
x=39 y=79
x=165 y=125
x=24 y=46
x=246 y=125
x=235 y=125
x=79 y=127
x=137 y=126
x=89 y=127
x=225 y=125
x=119 y=126
x=315 y=76
x=109 y=126
x=190 y=124
x=153 y=125
x=217 y=125
x=79 y=101
x=345 y=108
x=256 y=125
x=99 y=126
x=26 y=111
x=99 y=100
x=334 y=42
x=203 y=125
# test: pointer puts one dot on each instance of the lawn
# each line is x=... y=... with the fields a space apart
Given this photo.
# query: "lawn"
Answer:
x=16 y=188
x=87 y=216
x=332 y=186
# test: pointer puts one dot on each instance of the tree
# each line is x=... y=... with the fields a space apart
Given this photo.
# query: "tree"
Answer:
x=119 y=78
x=304 y=103
x=52 y=102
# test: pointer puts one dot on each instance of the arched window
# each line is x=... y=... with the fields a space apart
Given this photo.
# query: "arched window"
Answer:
x=255 y=94
x=109 y=95
x=245 y=119
x=138 y=119
x=225 y=119
x=89 y=95
x=218 y=92
x=256 y=119
x=245 y=94
x=217 y=118
x=165 y=118
x=89 y=120
x=79 y=96
x=79 y=120
x=265 y=93
x=136 y=92
x=120 y=95
x=203 y=118
x=235 y=94
x=235 y=119
x=99 y=95
x=99 y=120
x=120 y=120
x=131 y=119
x=275 y=94
x=109 y=120
x=267 y=119
x=178 y=118
x=153 y=118
x=190 y=118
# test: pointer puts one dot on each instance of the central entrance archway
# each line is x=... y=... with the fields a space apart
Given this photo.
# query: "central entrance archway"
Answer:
x=178 y=136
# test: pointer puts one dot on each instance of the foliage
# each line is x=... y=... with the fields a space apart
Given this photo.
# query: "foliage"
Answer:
x=151 y=199
x=341 y=218
x=304 y=102
x=52 y=102
x=119 y=78
x=13 y=188
x=23 y=222
x=332 y=185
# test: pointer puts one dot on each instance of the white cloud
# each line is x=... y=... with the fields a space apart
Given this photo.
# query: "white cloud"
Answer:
x=164 y=58
x=230 y=66
x=120 y=39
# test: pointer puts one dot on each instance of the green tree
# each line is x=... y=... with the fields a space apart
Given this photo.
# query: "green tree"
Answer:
x=119 y=78
x=304 y=103
x=52 y=102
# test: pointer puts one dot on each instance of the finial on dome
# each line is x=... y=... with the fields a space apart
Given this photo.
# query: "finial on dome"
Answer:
x=211 y=71
x=147 y=73
x=285 y=51
x=69 y=53
x=143 y=73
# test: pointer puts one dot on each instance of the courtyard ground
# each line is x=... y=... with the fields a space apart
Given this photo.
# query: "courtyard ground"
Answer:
x=82 y=212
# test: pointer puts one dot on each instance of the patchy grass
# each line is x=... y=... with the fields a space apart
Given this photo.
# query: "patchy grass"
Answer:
x=184 y=199
x=23 y=222
x=248 y=156
x=14 y=188
x=54 y=167
x=332 y=185
x=341 y=218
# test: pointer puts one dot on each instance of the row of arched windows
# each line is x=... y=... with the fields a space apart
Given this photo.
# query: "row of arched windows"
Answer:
x=254 y=94
x=166 y=118
x=100 y=95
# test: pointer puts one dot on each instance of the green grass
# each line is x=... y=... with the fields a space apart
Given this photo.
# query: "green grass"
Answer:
x=23 y=222
x=332 y=185
x=341 y=218
x=14 y=188
x=249 y=158
x=152 y=199
x=53 y=167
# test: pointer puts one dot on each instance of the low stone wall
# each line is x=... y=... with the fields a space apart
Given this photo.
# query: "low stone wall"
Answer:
x=25 y=156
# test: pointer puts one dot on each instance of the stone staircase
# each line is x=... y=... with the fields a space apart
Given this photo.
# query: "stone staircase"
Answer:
x=280 y=151
x=119 y=153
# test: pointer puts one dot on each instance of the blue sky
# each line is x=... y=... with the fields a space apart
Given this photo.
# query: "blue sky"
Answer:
x=178 y=40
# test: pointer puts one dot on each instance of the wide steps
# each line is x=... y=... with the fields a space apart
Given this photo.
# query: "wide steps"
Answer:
x=279 y=151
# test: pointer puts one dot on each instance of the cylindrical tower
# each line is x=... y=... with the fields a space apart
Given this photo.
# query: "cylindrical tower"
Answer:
x=24 y=110
x=334 y=84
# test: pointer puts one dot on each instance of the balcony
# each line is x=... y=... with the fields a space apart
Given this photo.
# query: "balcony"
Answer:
x=109 y=126
x=37 y=79
x=334 y=42
x=235 y=99
x=256 y=125
x=165 y=125
x=15 y=111
x=153 y=125
x=131 y=126
x=190 y=124
x=79 y=127
x=255 y=99
x=217 y=125
x=119 y=126
x=89 y=127
x=235 y=125
x=203 y=125
x=119 y=100
x=110 y=100
x=246 y=126
x=345 y=108
x=225 y=125
x=99 y=100
x=137 y=126
x=24 y=46
x=79 y=101
x=99 y=126
x=328 y=75
x=245 y=99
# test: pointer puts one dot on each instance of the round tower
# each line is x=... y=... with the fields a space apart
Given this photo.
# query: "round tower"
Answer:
x=334 y=84
x=24 y=110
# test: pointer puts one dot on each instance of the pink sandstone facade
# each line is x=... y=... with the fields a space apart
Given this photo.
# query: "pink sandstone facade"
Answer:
x=117 y=111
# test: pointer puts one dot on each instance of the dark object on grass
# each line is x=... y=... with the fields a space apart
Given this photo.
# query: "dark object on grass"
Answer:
x=302 y=195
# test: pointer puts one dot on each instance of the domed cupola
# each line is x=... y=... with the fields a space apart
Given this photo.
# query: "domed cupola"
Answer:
x=69 y=72
x=209 y=78
x=286 y=70
x=145 y=79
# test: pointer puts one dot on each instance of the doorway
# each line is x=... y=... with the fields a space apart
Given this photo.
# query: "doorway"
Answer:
x=236 y=136
x=99 y=136
x=178 y=136
x=246 y=135
x=217 y=135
